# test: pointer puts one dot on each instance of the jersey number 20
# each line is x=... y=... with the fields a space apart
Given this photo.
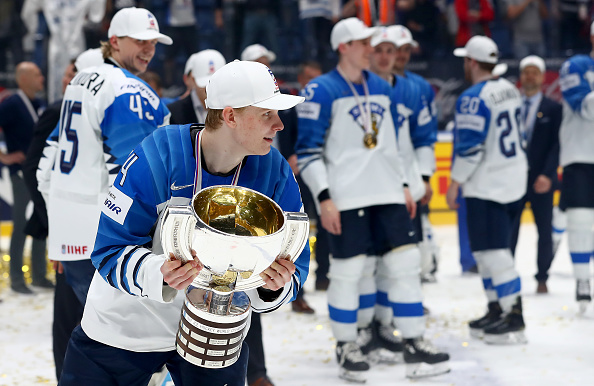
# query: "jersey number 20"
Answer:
x=71 y=107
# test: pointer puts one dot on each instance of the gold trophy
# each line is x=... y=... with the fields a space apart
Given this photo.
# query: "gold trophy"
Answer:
x=236 y=233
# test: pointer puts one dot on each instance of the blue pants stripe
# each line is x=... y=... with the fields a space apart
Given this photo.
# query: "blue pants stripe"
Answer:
x=511 y=287
x=578 y=258
x=382 y=299
x=342 y=316
x=407 y=309
x=488 y=284
x=367 y=301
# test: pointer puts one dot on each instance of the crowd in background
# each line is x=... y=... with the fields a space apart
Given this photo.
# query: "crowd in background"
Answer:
x=290 y=29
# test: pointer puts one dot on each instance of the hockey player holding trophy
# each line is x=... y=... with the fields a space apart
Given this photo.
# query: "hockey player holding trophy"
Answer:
x=132 y=316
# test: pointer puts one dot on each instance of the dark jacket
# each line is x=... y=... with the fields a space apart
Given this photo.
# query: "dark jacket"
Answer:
x=543 y=149
x=182 y=112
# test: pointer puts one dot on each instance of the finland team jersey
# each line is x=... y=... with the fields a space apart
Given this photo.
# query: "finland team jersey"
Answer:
x=415 y=132
x=424 y=135
x=576 y=135
x=128 y=257
x=489 y=159
x=330 y=145
x=106 y=112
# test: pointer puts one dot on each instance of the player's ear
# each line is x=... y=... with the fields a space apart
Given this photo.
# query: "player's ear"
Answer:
x=115 y=43
x=230 y=116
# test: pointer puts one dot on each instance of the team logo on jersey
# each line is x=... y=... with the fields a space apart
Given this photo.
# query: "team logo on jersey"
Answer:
x=116 y=205
x=377 y=116
x=74 y=249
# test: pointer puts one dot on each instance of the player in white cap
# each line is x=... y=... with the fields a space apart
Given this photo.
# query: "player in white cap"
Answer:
x=107 y=110
x=349 y=158
x=490 y=166
x=132 y=313
x=199 y=69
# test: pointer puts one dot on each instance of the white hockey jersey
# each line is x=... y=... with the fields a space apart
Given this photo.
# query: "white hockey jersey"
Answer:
x=330 y=148
x=576 y=135
x=489 y=157
x=105 y=113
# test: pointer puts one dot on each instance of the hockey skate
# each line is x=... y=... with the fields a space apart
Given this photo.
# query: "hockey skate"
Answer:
x=477 y=326
x=353 y=364
x=423 y=359
x=582 y=294
x=381 y=344
x=509 y=329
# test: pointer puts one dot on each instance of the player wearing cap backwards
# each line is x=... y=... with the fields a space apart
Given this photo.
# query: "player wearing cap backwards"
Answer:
x=490 y=165
x=132 y=313
x=576 y=140
x=348 y=156
x=106 y=111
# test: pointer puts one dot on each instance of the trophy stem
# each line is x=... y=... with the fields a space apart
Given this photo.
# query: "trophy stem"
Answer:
x=220 y=303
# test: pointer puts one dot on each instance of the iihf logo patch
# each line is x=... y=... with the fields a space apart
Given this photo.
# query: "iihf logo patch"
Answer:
x=211 y=67
x=274 y=79
x=152 y=24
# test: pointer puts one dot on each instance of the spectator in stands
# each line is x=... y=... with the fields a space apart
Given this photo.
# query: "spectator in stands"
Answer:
x=574 y=25
x=423 y=21
x=473 y=16
x=526 y=18
x=11 y=32
x=261 y=23
x=318 y=18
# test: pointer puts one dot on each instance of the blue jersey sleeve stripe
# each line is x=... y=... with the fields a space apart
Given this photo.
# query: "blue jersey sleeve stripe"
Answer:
x=137 y=269
x=124 y=267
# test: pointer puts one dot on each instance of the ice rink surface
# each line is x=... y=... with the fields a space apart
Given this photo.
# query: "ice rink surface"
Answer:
x=300 y=348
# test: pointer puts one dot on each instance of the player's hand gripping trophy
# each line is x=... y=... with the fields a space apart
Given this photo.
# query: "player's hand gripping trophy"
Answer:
x=236 y=233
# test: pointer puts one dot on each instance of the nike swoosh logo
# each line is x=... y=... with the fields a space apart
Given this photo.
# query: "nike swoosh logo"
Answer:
x=173 y=187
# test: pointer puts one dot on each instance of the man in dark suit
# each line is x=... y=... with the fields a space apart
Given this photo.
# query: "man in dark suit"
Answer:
x=18 y=115
x=199 y=68
x=541 y=117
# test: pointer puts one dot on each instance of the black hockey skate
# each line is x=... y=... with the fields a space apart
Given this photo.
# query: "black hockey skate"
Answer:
x=509 y=329
x=382 y=344
x=423 y=359
x=582 y=294
x=477 y=326
x=352 y=362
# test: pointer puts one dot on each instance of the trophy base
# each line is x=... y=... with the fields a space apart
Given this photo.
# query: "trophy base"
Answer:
x=209 y=340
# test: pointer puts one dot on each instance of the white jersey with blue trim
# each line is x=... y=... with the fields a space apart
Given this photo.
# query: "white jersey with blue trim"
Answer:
x=330 y=146
x=128 y=305
x=415 y=132
x=489 y=159
x=105 y=113
x=576 y=135
x=424 y=133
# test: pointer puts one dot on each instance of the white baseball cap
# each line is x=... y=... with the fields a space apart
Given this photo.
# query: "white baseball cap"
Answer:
x=480 y=48
x=348 y=30
x=244 y=83
x=398 y=35
x=137 y=23
x=204 y=64
x=256 y=51
x=533 y=60
x=90 y=58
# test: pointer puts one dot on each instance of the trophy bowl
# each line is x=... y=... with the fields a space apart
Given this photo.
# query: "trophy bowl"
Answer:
x=236 y=233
